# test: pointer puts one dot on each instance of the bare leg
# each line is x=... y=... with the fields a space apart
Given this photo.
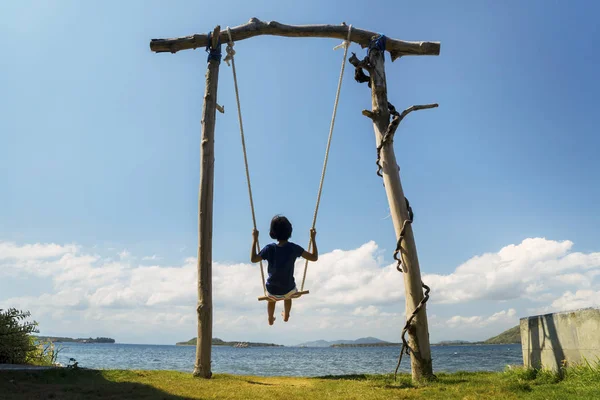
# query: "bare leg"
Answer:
x=287 y=306
x=271 y=311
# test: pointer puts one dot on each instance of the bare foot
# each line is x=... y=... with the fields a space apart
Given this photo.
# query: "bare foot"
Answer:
x=285 y=317
x=271 y=320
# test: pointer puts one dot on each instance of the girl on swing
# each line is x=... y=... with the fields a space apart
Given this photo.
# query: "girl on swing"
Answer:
x=281 y=257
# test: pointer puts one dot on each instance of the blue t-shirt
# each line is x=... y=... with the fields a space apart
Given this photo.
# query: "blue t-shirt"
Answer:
x=281 y=266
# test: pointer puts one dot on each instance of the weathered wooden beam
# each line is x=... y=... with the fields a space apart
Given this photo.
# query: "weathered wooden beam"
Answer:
x=255 y=27
x=202 y=367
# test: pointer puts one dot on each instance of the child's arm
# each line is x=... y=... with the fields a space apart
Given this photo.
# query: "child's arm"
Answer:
x=254 y=257
x=314 y=256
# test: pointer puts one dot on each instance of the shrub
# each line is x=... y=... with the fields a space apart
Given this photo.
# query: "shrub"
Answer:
x=17 y=346
x=15 y=340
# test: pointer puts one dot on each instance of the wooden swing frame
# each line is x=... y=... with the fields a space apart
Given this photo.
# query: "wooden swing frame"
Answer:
x=380 y=115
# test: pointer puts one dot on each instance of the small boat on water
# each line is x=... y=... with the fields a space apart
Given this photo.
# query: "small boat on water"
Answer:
x=241 y=345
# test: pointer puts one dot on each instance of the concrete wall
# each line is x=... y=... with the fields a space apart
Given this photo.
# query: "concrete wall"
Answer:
x=549 y=339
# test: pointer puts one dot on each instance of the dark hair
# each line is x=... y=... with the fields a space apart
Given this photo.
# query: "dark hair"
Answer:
x=281 y=228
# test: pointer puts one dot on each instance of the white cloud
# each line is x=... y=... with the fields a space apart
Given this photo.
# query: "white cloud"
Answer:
x=530 y=269
x=501 y=317
x=10 y=250
x=124 y=255
x=457 y=320
x=372 y=311
x=352 y=293
x=369 y=311
x=101 y=292
x=579 y=299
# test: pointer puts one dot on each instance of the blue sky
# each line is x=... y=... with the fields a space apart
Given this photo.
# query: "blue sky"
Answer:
x=100 y=136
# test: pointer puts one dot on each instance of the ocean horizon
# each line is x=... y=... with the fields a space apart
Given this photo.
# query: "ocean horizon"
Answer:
x=287 y=360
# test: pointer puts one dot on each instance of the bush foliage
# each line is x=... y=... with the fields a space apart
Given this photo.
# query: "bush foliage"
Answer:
x=17 y=346
x=15 y=340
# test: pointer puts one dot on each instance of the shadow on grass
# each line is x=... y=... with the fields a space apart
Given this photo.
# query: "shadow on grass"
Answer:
x=386 y=381
x=450 y=381
x=259 y=383
x=400 y=385
x=73 y=384
x=520 y=387
x=351 y=377
x=406 y=383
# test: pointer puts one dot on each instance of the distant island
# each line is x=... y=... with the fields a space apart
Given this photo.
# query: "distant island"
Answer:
x=219 y=342
x=510 y=336
x=55 y=339
x=361 y=342
x=378 y=344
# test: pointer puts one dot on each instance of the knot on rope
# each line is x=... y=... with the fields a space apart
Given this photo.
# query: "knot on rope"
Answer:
x=230 y=54
x=229 y=49
x=213 y=54
x=346 y=43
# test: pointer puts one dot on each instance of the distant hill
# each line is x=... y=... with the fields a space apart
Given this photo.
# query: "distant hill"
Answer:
x=513 y=335
x=316 y=343
x=219 y=342
x=55 y=339
x=361 y=341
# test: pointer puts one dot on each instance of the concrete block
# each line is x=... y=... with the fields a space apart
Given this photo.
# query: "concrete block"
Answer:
x=569 y=337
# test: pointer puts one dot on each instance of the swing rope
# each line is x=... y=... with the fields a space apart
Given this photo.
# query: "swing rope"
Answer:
x=230 y=57
x=346 y=45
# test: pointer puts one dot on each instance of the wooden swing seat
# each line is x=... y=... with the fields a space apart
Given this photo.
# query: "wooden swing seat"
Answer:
x=294 y=296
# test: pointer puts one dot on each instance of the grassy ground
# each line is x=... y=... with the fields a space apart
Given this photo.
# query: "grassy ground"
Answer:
x=581 y=383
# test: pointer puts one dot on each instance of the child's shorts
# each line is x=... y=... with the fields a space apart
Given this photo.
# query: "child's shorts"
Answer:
x=287 y=296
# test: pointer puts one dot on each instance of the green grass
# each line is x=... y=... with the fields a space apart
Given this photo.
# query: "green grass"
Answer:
x=576 y=383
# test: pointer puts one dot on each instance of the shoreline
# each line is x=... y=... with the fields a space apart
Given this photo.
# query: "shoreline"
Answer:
x=350 y=345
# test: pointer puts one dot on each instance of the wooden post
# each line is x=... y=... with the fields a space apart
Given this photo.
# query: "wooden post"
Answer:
x=418 y=337
x=205 y=216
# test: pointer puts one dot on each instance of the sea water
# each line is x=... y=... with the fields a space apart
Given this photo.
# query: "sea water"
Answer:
x=287 y=361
